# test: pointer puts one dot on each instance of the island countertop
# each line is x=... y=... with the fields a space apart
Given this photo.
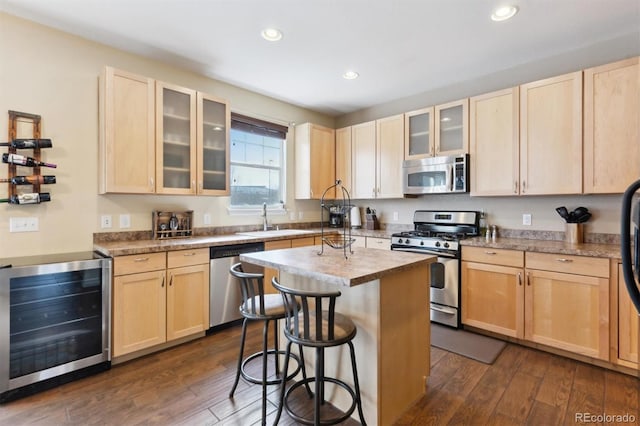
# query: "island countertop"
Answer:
x=361 y=266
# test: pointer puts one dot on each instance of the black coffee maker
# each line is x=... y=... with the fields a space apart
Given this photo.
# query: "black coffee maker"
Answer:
x=336 y=216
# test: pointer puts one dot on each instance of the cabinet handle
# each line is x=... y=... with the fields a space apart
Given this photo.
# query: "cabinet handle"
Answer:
x=171 y=280
x=162 y=282
x=151 y=184
x=311 y=192
x=491 y=253
x=141 y=259
x=193 y=183
x=528 y=280
x=515 y=187
x=562 y=259
x=189 y=254
x=524 y=186
x=519 y=278
x=201 y=186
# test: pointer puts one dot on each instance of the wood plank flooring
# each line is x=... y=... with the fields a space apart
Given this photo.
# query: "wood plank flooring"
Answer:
x=189 y=385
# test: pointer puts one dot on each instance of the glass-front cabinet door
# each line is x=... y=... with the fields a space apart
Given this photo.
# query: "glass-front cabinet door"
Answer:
x=175 y=139
x=418 y=134
x=452 y=128
x=214 y=121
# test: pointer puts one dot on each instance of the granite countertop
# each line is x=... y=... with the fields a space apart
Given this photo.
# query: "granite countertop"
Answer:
x=146 y=245
x=546 y=246
x=128 y=247
x=361 y=266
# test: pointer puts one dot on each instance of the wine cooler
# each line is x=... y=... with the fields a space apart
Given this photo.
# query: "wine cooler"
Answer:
x=54 y=320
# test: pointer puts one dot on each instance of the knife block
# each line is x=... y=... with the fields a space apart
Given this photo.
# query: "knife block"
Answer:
x=371 y=222
x=574 y=233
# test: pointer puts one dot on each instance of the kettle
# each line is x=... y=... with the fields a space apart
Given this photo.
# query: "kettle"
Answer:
x=354 y=217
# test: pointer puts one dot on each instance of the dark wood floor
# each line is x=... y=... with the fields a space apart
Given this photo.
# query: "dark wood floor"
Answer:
x=189 y=385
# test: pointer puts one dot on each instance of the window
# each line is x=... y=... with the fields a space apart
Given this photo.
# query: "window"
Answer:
x=257 y=163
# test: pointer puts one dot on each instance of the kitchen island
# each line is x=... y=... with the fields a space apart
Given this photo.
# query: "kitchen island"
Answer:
x=386 y=294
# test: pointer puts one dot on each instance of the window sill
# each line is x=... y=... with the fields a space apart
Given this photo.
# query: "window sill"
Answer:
x=256 y=211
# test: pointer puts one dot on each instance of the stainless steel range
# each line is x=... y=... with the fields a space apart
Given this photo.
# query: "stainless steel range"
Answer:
x=439 y=232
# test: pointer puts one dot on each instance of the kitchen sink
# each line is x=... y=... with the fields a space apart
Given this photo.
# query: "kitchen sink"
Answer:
x=275 y=233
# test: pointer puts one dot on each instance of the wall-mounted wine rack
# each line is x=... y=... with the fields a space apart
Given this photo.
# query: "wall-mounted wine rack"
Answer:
x=14 y=118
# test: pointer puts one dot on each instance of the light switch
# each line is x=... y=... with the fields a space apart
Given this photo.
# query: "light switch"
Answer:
x=125 y=221
x=23 y=224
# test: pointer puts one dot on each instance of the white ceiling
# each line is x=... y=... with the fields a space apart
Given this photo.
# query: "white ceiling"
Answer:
x=399 y=47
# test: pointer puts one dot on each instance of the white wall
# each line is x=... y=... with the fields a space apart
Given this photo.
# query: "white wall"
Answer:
x=55 y=75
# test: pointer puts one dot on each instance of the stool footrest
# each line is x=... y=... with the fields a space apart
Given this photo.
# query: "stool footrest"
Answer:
x=278 y=379
x=331 y=421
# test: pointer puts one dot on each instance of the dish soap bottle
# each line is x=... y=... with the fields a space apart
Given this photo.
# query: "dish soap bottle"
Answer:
x=483 y=223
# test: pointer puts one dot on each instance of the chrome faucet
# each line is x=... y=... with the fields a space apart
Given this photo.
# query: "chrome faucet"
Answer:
x=265 y=224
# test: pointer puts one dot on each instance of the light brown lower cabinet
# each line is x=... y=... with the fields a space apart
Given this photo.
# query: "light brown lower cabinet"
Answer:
x=628 y=324
x=159 y=297
x=543 y=298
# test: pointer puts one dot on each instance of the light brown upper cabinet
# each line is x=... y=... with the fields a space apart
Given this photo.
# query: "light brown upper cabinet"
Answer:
x=363 y=165
x=214 y=124
x=389 y=153
x=611 y=126
x=127 y=133
x=160 y=138
x=315 y=153
x=343 y=158
x=419 y=141
x=452 y=128
x=551 y=135
x=175 y=139
x=494 y=143
x=377 y=155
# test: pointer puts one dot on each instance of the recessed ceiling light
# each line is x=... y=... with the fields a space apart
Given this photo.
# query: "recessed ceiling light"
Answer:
x=503 y=13
x=350 y=75
x=271 y=34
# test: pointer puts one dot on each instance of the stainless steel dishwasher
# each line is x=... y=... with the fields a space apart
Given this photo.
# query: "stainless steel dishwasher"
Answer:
x=224 y=294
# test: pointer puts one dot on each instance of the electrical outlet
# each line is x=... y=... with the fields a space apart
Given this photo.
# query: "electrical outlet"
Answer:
x=526 y=219
x=292 y=215
x=125 y=221
x=207 y=219
x=105 y=221
x=395 y=216
x=300 y=215
x=23 y=224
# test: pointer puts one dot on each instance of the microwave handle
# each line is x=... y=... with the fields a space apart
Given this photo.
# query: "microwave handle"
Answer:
x=451 y=177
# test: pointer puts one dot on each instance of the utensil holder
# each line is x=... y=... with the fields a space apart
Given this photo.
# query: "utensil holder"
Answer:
x=574 y=233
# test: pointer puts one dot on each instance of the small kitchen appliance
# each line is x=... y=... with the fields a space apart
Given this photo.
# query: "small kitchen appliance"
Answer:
x=336 y=216
x=354 y=217
x=436 y=175
x=438 y=233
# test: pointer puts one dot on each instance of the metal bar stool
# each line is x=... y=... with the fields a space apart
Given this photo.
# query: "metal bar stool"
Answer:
x=311 y=321
x=257 y=306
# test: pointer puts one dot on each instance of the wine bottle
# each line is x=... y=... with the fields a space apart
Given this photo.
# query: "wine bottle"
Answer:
x=28 y=143
x=22 y=160
x=30 y=180
x=30 y=198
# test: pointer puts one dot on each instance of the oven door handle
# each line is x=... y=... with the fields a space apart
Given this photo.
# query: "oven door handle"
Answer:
x=443 y=310
x=435 y=253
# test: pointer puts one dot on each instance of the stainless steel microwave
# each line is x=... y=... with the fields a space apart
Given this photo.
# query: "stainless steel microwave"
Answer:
x=436 y=175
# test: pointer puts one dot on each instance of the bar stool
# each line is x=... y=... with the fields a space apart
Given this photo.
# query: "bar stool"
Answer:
x=303 y=308
x=257 y=306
